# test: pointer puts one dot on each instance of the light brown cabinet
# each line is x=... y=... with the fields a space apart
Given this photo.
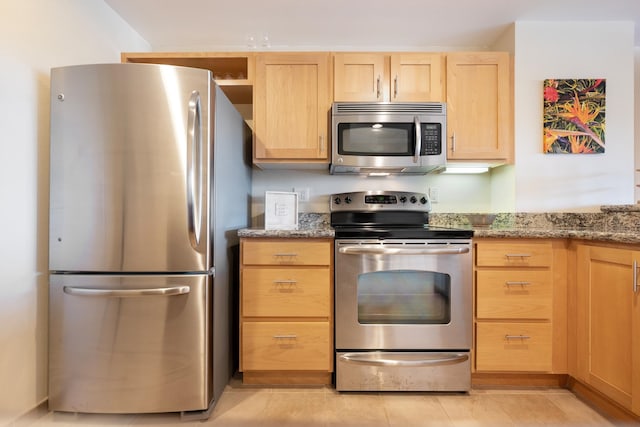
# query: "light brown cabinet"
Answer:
x=291 y=108
x=520 y=297
x=479 y=106
x=286 y=311
x=396 y=77
x=608 y=322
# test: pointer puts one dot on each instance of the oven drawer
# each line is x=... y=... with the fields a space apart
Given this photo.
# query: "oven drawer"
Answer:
x=403 y=371
x=286 y=292
x=286 y=346
x=514 y=254
x=286 y=252
x=513 y=346
x=513 y=294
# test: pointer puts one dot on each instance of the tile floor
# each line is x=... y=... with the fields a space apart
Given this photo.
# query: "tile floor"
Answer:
x=242 y=406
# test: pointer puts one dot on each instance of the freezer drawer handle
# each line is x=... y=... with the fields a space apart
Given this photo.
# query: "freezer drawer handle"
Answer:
x=365 y=249
x=376 y=361
x=120 y=293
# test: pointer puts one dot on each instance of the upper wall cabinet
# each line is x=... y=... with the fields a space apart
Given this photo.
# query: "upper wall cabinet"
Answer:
x=479 y=106
x=400 y=77
x=233 y=72
x=291 y=107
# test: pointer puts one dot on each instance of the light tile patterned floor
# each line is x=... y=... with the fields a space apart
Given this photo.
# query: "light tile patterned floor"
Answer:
x=242 y=406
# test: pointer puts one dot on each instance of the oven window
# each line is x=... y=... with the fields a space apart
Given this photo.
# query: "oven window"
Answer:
x=404 y=297
x=376 y=139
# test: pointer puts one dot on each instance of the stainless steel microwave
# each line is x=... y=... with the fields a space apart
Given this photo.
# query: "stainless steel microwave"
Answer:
x=388 y=137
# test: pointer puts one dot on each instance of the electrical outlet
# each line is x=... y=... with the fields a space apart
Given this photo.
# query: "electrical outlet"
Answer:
x=434 y=194
x=303 y=194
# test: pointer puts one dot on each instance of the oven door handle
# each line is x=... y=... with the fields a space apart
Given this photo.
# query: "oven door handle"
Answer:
x=375 y=360
x=377 y=250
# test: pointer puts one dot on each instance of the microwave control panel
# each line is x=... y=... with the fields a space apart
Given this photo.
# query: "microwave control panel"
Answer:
x=431 y=139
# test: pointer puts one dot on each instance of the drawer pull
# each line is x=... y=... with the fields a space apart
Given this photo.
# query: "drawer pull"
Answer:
x=285 y=282
x=517 y=284
x=283 y=254
x=517 y=337
x=285 y=337
x=518 y=255
x=635 y=277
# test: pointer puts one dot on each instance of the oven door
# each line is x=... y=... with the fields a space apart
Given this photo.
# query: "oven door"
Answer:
x=403 y=295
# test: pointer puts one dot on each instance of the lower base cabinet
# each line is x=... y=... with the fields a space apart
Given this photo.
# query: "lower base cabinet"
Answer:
x=607 y=327
x=286 y=311
x=514 y=346
x=520 y=298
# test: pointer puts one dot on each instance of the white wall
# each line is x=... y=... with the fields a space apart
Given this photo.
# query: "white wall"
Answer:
x=553 y=182
x=36 y=35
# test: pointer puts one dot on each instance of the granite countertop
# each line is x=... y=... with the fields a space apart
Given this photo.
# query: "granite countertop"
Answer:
x=614 y=223
x=310 y=225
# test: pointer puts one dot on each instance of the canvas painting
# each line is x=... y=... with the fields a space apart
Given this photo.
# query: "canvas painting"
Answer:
x=574 y=116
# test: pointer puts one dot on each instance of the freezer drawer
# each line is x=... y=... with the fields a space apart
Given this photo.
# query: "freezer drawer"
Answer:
x=403 y=371
x=130 y=344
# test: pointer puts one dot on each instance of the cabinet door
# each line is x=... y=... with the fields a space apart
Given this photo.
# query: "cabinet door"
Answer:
x=360 y=77
x=291 y=107
x=517 y=253
x=416 y=77
x=608 y=323
x=286 y=346
x=514 y=346
x=479 y=106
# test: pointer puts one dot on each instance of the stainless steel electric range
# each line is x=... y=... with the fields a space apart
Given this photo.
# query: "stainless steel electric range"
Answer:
x=403 y=295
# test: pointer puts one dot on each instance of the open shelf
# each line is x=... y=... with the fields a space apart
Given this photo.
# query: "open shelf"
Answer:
x=233 y=72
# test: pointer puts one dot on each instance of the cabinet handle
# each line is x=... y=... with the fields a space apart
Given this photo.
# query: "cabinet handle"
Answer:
x=395 y=87
x=284 y=254
x=285 y=282
x=378 y=88
x=321 y=144
x=285 y=337
x=453 y=142
x=516 y=337
x=518 y=255
x=517 y=283
x=635 y=276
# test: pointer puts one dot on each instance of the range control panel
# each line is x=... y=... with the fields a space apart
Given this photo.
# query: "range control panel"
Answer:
x=380 y=200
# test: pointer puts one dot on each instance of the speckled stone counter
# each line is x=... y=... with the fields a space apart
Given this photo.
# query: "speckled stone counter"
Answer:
x=614 y=223
x=310 y=225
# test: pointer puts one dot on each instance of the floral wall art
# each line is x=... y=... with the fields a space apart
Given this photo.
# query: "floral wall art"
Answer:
x=574 y=116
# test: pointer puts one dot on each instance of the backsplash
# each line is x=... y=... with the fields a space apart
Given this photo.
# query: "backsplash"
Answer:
x=610 y=218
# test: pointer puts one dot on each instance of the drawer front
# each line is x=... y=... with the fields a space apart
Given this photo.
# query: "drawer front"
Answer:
x=286 y=292
x=286 y=252
x=286 y=346
x=514 y=294
x=513 y=254
x=513 y=347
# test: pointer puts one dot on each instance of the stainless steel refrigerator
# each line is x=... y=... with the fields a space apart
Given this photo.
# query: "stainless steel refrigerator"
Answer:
x=149 y=182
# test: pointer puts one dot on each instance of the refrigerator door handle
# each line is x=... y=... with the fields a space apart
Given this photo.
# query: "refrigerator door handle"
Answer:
x=194 y=169
x=92 y=292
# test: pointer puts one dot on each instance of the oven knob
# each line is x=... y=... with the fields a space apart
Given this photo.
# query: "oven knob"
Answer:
x=403 y=199
x=423 y=200
x=347 y=200
x=337 y=200
x=413 y=199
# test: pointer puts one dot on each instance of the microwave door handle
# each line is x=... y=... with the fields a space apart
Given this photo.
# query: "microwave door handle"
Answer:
x=416 y=154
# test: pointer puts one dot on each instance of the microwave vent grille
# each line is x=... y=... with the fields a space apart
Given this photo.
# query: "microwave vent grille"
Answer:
x=389 y=108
